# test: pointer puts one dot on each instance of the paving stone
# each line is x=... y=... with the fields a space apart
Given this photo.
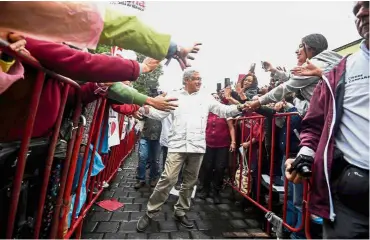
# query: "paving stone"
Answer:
x=120 y=194
x=146 y=188
x=224 y=207
x=134 y=194
x=238 y=214
x=107 y=194
x=209 y=200
x=119 y=235
x=196 y=208
x=198 y=201
x=134 y=216
x=208 y=215
x=89 y=226
x=199 y=235
x=203 y=224
x=93 y=236
x=126 y=200
x=210 y=208
x=180 y=235
x=167 y=226
x=131 y=208
x=192 y=216
x=225 y=201
x=128 y=227
x=224 y=215
x=101 y=216
x=160 y=216
x=238 y=223
x=158 y=236
x=146 y=194
x=141 y=200
x=120 y=216
x=252 y=223
x=137 y=236
x=128 y=189
x=107 y=227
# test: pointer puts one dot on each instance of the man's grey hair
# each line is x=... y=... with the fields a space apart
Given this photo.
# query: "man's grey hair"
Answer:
x=188 y=74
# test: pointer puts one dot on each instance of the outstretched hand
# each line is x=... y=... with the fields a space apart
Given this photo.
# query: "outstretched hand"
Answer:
x=150 y=64
x=309 y=69
x=184 y=54
x=162 y=103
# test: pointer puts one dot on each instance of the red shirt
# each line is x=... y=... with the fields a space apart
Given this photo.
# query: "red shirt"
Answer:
x=217 y=132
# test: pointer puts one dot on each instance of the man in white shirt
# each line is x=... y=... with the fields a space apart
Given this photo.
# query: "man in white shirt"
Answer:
x=186 y=145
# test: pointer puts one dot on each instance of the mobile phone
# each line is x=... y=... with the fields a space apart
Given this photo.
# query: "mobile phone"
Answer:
x=227 y=82
x=218 y=87
x=252 y=68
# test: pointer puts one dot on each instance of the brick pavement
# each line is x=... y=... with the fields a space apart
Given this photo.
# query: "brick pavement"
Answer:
x=211 y=221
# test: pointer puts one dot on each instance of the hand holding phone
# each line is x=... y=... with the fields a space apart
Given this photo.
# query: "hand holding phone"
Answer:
x=252 y=68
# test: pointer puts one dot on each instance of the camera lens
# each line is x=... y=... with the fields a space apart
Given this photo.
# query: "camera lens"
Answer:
x=306 y=172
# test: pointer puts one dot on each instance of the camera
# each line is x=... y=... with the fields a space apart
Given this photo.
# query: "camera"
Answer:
x=302 y=165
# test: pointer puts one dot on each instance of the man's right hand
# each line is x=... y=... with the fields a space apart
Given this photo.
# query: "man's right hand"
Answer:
x=162 y=103
x=293 y=176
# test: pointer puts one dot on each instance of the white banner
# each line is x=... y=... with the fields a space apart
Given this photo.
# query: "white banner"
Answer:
x=113 y=136
x=124 y=128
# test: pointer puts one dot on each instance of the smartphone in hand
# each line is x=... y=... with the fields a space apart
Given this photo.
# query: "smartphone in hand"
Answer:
x=252 y=68
x=218 y=87
x=227 y=82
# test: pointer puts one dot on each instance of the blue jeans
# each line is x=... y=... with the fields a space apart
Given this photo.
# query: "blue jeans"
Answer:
x=148 y=150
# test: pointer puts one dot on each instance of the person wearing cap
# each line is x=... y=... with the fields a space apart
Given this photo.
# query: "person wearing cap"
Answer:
x=313 y=47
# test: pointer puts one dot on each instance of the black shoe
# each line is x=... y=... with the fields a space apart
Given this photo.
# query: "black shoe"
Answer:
x=184 y=221
x=139 y=185
x=203 y=195
x=143 y=223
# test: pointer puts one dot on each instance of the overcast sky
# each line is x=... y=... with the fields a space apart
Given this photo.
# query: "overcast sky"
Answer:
x=236 y=34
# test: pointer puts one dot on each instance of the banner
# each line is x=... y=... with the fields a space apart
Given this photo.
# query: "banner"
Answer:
x=113 y=135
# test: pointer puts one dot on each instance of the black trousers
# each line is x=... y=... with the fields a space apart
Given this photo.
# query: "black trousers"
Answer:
x=213 y=167
x=350 y=193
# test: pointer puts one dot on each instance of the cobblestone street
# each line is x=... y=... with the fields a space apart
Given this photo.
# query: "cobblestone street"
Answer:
x=210 y=220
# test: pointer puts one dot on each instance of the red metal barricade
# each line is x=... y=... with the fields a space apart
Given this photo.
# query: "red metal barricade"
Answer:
x=238 y=164
x=112 y=161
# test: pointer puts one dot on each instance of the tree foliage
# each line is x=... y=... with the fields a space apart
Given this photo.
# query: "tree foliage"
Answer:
x=146 y=81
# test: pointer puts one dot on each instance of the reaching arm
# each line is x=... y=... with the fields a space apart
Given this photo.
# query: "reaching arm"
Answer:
x=221 y=110
x=82 y=66
x=128 y=32
x=153 y=113
x=294 y=84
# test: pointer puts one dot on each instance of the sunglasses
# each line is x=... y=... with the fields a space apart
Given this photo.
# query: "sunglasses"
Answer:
x=196 y=79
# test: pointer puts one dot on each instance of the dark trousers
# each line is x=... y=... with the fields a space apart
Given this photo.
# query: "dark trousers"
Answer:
x=350 y=192
x=214 y=164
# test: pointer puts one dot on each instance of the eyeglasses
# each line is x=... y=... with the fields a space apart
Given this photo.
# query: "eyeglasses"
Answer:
x=196 y=79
